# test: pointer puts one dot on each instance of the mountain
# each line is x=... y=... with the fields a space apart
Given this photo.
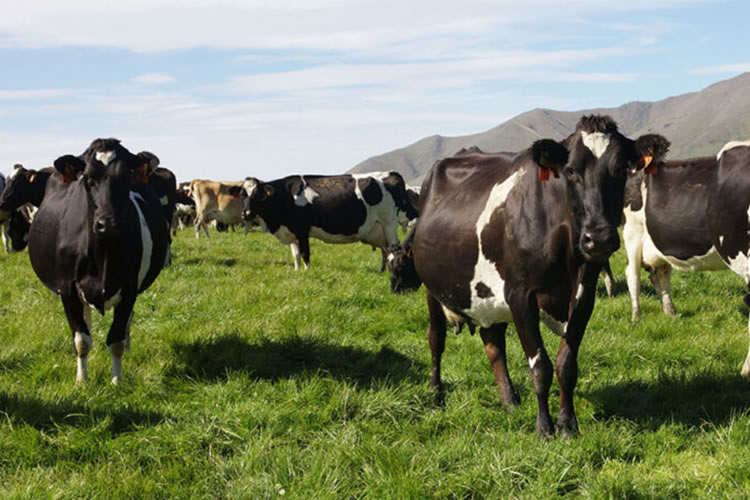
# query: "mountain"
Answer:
x=697 y=124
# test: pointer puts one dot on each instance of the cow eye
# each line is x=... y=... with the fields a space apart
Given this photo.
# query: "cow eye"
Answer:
x=572 y=175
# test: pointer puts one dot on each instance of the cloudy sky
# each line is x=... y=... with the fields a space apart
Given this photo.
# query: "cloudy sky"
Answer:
x=226 y=89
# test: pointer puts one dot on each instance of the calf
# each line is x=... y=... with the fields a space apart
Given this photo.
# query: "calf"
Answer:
x=523 y=238
x=335 y=209
x=213 y=201
x=99 y=239
x=666 y=225
x=729 y=214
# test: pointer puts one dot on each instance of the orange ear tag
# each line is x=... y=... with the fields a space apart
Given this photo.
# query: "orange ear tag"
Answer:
x=648 y=166
x=543 y=174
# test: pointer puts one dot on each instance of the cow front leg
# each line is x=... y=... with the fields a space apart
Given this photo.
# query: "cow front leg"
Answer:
x=526 y=318
x=383 y=259
x=634 y=252
x=304 y=250
x=118 y=339
x=609 y=279
x=566 y=364
x=494 y=346
x=79 y=320
x=661 y=277
x=436 y=338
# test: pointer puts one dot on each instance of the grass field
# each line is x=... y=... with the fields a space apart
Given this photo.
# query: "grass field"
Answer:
x=247 y=379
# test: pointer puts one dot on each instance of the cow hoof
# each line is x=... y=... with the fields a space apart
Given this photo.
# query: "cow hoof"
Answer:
x=544 y=428
x=746 y=369
x=116 y=381
x=567 y=428
x=511 y=402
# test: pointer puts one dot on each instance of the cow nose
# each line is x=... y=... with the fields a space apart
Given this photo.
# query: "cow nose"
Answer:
x=246 y=214
x=600 y=244
x=104 y=225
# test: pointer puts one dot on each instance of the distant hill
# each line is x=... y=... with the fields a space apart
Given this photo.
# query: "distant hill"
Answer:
x=697 y=124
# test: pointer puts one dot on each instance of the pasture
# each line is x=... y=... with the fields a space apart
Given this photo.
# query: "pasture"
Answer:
x=247 y=379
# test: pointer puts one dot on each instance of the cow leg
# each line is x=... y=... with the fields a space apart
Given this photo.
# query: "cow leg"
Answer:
x=526 y=318
x=79 y=320
x=609 y=279
x=383 y=259
x=494 y=346
x=633 y=273
x=661 y=277
x=4 y=227
x=566 y=364
x=304 y=250
x=436 y=338
x=295 y=254
x=118 y=339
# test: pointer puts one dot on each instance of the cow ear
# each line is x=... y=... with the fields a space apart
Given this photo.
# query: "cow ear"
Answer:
x=269 y=190
x=650 y=150
x=70 y=167
x=550 y=156
x=235 y=191
x=147 y=163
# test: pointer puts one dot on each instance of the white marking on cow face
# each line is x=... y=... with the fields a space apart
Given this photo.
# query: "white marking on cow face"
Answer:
x=306 y=197
x=15 y=172
x=163 y=200
x=730 y=145
x=490 y=308
x=146 y=240
x=597 y=142
x=533 y=361
x=106 y=156
x=249 y=186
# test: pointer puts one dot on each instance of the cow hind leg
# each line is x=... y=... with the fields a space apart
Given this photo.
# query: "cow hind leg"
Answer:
x=436 y=338
x=494 y=346
x=661 y=277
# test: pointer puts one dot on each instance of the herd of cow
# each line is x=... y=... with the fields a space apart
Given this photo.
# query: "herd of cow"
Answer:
x=501 y=237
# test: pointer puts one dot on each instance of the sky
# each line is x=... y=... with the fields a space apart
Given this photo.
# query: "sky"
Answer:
x=268 y=88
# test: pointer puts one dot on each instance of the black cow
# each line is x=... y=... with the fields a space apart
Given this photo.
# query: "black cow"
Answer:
x=494 y=244
x=18 y=230
x=98 y=239
x=162 y=181
x=729 y=214
x=335 y=209
x=666 y=225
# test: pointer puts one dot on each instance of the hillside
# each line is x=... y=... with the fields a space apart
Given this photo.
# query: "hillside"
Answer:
x=697 y=124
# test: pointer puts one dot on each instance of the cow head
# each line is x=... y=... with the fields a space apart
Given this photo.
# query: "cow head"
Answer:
x=105 y=172
x=596 y=171
x=403 y=273
x=255 y=195
x=149 y=163
x=16 y=192
x=18 y=231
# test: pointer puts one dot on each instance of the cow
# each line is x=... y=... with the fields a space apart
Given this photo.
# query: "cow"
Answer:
x=99 y=239
x=666 y=225
x=335 y=209
x=184 y=208
x=729 y=214
x=521 y=238
x=22 y=187
x=214 y=202
x=162 y=181
x=19 y=223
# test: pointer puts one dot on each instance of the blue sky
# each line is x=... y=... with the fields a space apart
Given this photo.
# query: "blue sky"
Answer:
x=227 y=89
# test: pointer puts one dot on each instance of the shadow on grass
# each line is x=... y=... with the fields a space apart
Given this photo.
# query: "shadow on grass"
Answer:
x=213 y=359
x=688 y=401
x=193 y=261
x=48 y=416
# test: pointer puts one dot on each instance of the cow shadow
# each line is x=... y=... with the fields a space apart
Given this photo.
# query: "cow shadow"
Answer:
x=688 y=401
x=47 y=416
x=214 y=359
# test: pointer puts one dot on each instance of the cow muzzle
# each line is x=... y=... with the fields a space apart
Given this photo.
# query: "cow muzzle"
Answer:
x=105 y=227
x=598 y=244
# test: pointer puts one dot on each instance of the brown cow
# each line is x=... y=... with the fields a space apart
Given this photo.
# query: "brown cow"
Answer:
x=214 y=202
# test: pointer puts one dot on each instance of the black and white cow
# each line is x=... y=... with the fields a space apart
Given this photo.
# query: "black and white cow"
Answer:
x=162 y=181
x=23 y=189
x=666 y=225
x=335 y=209
x=99 y=239
x=729 y=214
x=500 y=240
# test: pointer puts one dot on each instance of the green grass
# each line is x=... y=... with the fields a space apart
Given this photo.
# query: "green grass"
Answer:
x=247 y=379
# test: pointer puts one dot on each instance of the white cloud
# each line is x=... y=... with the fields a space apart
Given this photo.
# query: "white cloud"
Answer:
x=154 y=79
x=723 y=69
